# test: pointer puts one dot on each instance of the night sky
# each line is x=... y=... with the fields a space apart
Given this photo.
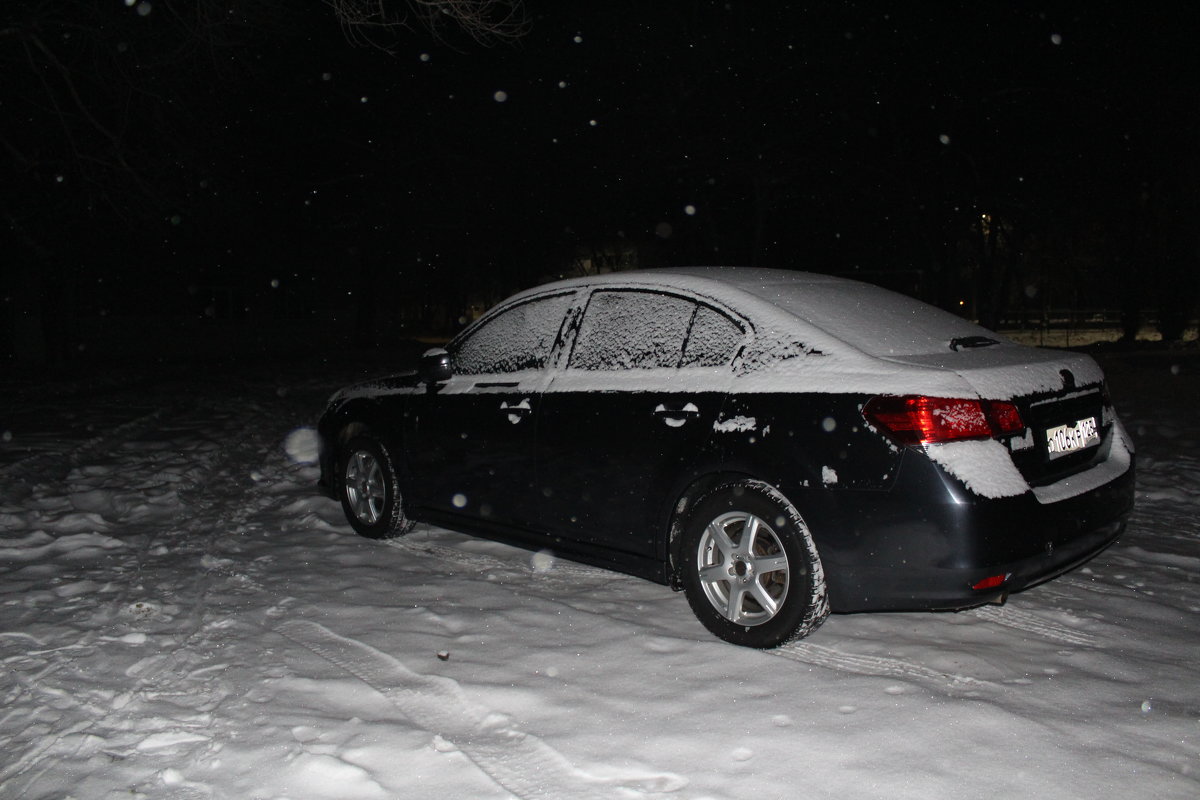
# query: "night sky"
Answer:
x=246 y=162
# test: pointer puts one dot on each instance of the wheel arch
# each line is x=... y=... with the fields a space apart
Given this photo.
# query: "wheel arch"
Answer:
x=367 y=419
x=351 y=428
x=816 y=505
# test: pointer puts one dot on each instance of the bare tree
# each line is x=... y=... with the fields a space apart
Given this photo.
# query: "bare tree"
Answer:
x=119 y=118
x=374 y=23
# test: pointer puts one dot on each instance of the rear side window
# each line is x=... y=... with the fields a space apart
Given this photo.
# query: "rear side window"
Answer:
x=713 y=340
x=632 y=330
x=518 y=338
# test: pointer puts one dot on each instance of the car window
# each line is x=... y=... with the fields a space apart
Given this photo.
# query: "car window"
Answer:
x=713 y=340
x=518 y=338
x=632 y=330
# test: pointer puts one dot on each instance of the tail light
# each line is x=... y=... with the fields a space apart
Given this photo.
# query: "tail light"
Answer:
x=916 y=419
x=994 y=582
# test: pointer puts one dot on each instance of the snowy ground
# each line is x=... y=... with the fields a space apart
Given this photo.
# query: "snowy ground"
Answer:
x=180 y=617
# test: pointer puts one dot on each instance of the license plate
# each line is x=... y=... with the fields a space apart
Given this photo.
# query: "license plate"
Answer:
x=1067 y=439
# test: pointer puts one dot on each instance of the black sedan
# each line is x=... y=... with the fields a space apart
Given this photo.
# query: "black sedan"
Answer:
x=775 y=444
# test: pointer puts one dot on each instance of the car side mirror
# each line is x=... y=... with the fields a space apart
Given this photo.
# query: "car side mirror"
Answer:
x=435 y=366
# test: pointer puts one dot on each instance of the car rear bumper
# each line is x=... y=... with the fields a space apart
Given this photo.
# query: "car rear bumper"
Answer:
x=907 y=554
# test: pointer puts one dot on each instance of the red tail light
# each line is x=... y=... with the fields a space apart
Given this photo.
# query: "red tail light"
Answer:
x=992 y=582
x=1004 y=416
x=915 y=419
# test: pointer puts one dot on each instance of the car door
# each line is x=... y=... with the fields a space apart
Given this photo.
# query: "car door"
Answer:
x=630 y=412
x=474 y=435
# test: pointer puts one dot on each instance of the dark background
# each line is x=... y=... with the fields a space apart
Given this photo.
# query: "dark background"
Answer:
x=258 y=174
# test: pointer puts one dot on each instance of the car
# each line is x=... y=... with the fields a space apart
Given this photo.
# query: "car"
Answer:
x=776 y=444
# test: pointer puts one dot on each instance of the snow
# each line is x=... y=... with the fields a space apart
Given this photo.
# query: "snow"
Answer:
x=632 y=330
x=824 y=333
x=520 y=339
x=736 y=424
x=986 y=467
x=182 y=617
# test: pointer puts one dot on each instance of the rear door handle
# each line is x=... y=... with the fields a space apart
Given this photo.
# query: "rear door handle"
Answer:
x=676 y=417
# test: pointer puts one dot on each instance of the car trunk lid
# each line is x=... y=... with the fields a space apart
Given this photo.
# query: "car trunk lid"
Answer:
x=1060 y=395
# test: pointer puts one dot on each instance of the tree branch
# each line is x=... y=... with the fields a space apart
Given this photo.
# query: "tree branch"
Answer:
x=372 y=22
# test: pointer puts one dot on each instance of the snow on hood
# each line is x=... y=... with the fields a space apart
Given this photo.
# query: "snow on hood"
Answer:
x=400 y=383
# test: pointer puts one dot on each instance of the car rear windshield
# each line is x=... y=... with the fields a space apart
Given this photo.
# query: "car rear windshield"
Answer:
x=874 y=320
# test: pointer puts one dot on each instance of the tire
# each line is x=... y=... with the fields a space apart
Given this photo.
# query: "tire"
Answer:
x=369 y=491
x=750 y=569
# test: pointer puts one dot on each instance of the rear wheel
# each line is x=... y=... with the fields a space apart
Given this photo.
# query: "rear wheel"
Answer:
x=369 y=491
x=750 y=569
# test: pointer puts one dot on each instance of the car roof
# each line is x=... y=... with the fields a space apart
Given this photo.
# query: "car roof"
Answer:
x=832 y=334
x=865 y=317
x=718 y=281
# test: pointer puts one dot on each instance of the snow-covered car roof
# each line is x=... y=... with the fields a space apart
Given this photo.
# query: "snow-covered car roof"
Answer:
x=868 y=318
x=838 y=334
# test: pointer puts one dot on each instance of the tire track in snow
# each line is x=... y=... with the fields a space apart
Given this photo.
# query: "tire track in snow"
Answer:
x=61 y=744
x=570 y=573
x=820 y=655
x=82 y=721
x=519 y=762
x=1059 y=587
x=552 y=566
x=1028 y=622
x=37 y=463
x=217 y=499
x=885 y=666
x=119 y=405
x=538 y=574
x=214 y=496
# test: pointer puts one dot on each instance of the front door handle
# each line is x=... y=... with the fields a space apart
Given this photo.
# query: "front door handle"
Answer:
x=676 y=417
x=516 y=411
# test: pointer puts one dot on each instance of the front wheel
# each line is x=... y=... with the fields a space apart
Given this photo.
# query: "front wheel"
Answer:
x=369 y=491
x=751 y=572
